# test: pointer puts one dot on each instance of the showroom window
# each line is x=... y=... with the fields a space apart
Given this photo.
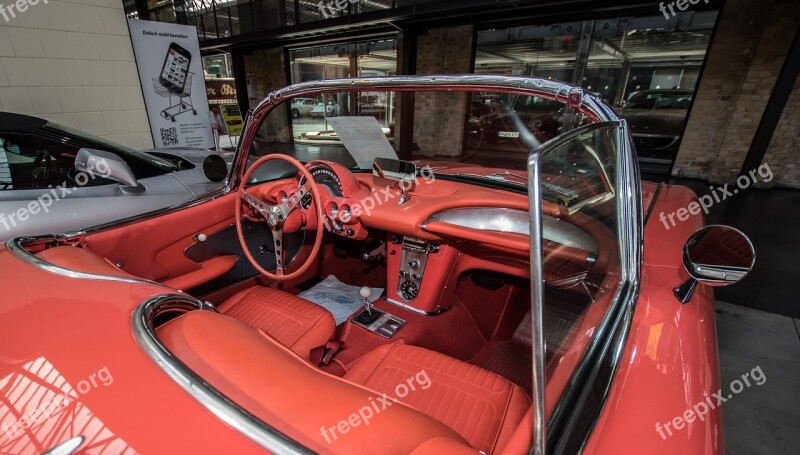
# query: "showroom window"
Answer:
x=623 y=60
x=310 y=117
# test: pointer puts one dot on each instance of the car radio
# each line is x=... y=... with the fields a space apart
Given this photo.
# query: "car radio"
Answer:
x=412 y=266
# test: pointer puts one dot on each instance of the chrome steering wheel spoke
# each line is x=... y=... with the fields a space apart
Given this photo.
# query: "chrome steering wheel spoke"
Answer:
x=293 y=201
x=277 y=242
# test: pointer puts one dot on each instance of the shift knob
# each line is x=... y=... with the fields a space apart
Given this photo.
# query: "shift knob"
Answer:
x=365 y=292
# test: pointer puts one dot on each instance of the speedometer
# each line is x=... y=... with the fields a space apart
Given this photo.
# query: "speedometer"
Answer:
x=325 y=178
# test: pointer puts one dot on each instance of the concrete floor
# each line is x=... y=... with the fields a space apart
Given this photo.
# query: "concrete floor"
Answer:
x=761 y=419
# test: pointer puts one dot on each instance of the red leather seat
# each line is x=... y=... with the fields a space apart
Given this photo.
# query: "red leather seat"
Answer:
x=310 y=406
x=484 y=408
x=296 y=323
x=454 y=407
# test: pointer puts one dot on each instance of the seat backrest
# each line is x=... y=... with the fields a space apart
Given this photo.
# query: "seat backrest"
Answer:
x=325 y=413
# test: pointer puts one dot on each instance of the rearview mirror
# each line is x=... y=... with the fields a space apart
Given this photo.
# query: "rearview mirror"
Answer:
x=404 y=172
x=391 y=169
x=107 y=165
x=716 y=256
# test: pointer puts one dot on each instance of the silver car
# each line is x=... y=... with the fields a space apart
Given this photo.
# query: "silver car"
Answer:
x=56 y=179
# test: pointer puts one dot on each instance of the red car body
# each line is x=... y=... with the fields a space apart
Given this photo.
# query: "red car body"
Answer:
x=71 y=336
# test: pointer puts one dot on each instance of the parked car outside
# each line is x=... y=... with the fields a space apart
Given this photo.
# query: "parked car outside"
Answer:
x=302 y=106
x=42 y=192
x=331 y=109
x=656 y=119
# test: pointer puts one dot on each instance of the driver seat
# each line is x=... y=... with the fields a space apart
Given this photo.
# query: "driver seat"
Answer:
x=296 y=323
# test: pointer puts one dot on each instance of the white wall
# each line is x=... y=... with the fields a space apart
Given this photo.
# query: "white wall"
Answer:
x=71 y=61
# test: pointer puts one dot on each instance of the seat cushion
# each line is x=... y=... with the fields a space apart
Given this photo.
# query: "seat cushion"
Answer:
x=484 y=408
x=325 y=413
x=296 y=323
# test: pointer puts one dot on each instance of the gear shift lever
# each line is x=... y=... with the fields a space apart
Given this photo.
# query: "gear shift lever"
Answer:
x=365 y=293
x=370 y=314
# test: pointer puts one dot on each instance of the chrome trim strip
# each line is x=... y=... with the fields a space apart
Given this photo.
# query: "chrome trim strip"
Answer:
x=609 y=341
x=16 y=248
x=417 y=310
x=501 y=219
x=218 y=404
x=537 y=300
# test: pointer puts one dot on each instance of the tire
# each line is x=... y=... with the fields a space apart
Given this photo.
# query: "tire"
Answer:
x=295 y=113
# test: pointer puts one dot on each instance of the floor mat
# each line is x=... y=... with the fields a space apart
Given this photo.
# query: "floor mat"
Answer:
x=342 y=300
x=511 y=359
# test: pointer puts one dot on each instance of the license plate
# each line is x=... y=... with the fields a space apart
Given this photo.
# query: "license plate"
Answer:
x=507 y=134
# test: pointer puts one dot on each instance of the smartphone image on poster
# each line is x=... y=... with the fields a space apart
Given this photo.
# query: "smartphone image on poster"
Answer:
x=175 y=68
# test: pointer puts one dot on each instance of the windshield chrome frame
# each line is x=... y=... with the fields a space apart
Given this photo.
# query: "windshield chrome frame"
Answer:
x=590 y=104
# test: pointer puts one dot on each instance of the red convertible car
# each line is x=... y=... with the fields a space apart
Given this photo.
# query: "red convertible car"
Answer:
x=332 y=298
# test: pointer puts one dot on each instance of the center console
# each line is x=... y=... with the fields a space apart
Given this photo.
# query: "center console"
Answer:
x=417 y=270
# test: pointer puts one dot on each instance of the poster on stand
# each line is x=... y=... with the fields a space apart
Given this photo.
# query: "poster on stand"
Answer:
x=171 y=72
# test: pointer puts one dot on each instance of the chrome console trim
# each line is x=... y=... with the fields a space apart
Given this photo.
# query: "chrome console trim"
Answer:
x=218 y=404
x=417 y=310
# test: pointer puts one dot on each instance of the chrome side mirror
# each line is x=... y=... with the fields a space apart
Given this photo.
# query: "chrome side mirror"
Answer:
x=716 y=256
x=107 y=165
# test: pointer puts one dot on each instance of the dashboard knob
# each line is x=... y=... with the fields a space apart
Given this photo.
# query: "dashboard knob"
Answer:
x=414 y=263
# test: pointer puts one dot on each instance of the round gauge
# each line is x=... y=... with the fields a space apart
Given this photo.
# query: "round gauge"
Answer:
x=326 y=178
x=345 y=213
x=333 y=210
x=409 y=290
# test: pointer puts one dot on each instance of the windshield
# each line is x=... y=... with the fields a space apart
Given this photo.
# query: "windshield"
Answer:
x=480 y=133
x=105 y=144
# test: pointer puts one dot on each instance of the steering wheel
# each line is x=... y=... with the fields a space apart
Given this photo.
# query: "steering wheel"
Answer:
x=276 y=216
x=41 y=174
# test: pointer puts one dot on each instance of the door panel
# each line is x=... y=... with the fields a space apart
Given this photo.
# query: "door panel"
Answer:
x=165 y=248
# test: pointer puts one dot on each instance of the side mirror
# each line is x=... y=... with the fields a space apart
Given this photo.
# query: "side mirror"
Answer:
x=107 y=165
x=717 y=256
x=404 y=172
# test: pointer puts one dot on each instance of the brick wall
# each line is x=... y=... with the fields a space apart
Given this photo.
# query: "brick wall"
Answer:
x=748 y=52
x=439 y=117
x=266 y=73
x=72 y=62
x=783 y=154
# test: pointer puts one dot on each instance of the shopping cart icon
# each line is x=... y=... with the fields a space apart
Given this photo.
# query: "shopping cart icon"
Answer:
x=180 y=96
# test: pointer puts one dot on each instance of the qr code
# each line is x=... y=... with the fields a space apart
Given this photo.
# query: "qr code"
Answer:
x=169 y=136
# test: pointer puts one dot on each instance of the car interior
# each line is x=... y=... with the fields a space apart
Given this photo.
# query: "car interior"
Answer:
x=450 y=259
